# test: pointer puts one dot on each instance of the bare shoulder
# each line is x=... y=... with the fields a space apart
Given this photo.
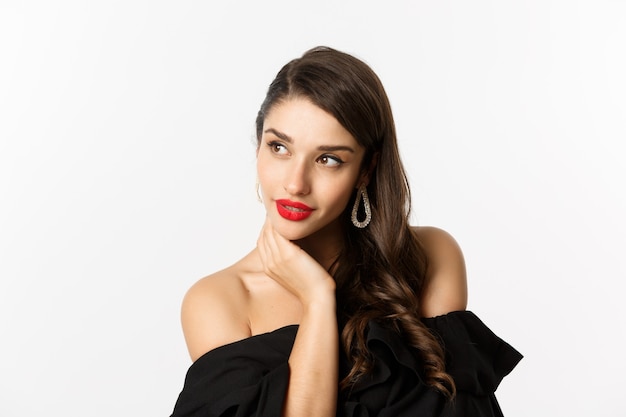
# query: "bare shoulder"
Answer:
x=213 y=312
x=445 y=289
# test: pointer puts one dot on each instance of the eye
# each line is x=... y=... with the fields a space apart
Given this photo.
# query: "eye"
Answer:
x=330 y=161
x=277 y=148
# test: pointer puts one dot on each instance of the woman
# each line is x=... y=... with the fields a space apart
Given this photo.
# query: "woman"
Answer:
x=342 y=308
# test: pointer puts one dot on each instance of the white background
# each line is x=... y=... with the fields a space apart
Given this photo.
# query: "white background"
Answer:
x=127 y=172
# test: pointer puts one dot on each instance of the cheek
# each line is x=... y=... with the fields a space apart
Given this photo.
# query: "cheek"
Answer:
x=264 y=170
x=339 y=196
x=270 y=176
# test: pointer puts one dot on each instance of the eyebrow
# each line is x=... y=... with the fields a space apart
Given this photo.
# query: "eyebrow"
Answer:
x=327 y=148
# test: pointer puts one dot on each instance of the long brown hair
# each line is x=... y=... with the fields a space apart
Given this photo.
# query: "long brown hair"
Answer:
x=380 y=271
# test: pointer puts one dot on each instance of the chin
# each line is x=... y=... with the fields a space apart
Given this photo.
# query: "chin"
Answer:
x=292 y=232
x=300 y=230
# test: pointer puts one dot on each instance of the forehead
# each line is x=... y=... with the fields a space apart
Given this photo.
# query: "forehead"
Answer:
x=300 y=119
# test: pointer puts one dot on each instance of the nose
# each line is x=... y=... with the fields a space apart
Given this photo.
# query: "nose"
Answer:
x=297 y=179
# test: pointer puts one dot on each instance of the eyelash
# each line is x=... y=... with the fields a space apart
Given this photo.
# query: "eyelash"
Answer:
x=334 y=158
x=274 y=144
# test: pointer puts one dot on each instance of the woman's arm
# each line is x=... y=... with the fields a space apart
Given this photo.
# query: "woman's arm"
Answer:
x=313 y=362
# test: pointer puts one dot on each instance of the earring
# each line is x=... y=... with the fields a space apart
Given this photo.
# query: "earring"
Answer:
x=258 y=191
x=362 y=193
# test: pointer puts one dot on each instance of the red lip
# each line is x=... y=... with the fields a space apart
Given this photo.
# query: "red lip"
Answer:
x=293 y=210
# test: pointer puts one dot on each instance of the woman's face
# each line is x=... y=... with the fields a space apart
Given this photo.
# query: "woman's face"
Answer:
x=308 y=166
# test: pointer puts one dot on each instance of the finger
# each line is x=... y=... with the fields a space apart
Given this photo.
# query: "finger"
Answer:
x=271 y=240
x=269 y=251
x=278 y=241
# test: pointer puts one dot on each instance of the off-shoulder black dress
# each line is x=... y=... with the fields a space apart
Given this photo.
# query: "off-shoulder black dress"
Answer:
x=249 y=377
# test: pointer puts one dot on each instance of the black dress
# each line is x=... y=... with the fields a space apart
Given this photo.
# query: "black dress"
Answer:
x=249 y=377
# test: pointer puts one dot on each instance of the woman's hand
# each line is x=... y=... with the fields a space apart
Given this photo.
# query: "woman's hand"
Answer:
x=293 y=268
x=313 y=362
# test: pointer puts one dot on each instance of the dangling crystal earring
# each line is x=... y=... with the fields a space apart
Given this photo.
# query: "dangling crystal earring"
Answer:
x=362 y=193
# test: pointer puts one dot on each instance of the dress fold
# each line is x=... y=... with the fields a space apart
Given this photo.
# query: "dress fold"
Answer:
x=250 y=377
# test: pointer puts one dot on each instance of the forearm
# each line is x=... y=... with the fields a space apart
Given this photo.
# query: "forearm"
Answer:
x=313 y=363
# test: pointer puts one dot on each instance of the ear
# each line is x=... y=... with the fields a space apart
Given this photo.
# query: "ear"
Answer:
x=366 y=175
